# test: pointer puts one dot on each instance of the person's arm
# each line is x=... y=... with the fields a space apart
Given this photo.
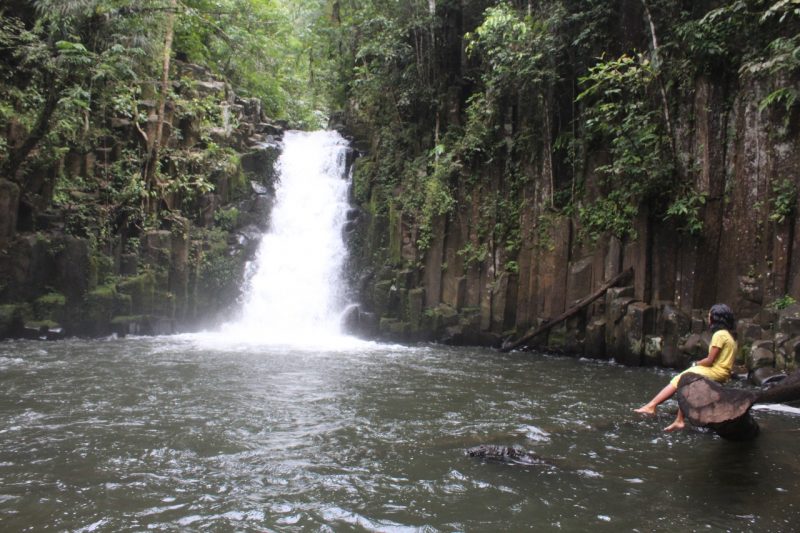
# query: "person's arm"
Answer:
x=713 y=352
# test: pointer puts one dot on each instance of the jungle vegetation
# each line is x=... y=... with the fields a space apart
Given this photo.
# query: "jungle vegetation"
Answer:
x=448 y=93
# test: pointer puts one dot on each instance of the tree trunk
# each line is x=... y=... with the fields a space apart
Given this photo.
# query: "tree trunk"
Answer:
x=151 y=168
x=18 y=155
x=706 y=403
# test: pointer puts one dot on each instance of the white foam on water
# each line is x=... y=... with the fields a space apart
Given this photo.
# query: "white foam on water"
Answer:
x=777 y=407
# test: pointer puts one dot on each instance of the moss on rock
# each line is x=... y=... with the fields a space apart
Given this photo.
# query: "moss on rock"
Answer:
x=141 y=289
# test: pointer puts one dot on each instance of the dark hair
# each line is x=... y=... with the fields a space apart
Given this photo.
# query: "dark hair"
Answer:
x=722 y=318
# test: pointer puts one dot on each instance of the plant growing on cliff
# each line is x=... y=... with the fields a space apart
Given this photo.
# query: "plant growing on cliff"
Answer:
x=437 y=198
x=781 y=303
x=686 y=209
x=784 y=200
x=623 y=113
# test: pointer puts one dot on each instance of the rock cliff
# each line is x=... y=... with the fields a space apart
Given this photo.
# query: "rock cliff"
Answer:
x=60 y=277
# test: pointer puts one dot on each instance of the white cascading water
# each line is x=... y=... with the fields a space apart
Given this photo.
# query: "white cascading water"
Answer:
x=295 y=293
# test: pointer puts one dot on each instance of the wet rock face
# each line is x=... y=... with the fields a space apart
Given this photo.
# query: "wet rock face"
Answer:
x=9 y=206
x=259 y=165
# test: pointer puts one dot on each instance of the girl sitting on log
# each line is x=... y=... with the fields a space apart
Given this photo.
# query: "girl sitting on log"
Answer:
x=716 y=366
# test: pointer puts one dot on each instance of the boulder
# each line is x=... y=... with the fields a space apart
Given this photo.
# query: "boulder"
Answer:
x=356 y=321
x=790 y=352
x=749 y=331
x=575 y=334
x=595 y=342
x=638 y=322
x=416 y=301
x=438 y=319
x=259 y=165
x=209 y=87
x=761 y=357
x=653 y=349
x=673 y=325
x=789 y=320
x=766 y=376
x=394 y=330
x=696 y=345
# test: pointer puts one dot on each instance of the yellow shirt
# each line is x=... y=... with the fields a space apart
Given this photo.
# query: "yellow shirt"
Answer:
x=720 y=370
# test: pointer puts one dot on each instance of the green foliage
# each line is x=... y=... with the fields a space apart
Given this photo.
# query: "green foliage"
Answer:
x=226 y=219
x=52 y=299
x=686 y=210
x=784 y=200
x=438 y=202
x=519 y=50
x=473 y=254
x=782 y=303
x=266 y=48
x=621 y=113
x=612 y=214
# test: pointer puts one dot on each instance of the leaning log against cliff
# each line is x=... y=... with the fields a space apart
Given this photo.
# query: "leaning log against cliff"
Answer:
x=726 y=411
x=616 y=280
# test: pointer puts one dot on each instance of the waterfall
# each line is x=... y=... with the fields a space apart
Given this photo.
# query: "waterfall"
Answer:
x=295 y=288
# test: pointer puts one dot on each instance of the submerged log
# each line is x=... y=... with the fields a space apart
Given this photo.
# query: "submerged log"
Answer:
x=726 y=411
x=619 y=278
x=505 y=454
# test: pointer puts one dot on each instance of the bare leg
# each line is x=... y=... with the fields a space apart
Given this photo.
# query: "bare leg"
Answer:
x=678 y=423
x=650 y=407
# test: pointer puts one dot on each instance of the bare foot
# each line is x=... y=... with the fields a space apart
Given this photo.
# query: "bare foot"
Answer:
x=675 y=426
x=645 y=410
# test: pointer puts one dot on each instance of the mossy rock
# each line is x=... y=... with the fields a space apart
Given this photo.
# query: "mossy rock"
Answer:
x=394 y=329
x=141 y=289
x=42 y=325
x=99 y=309
x=103 y=266
x=123 y=304
x=437 y=319
x=128 y=324
x=51 y=306
x=11 y=320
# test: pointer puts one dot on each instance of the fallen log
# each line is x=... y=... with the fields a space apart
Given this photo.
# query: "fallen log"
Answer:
x=505 y=454
x=725 y=410
x=619 y=278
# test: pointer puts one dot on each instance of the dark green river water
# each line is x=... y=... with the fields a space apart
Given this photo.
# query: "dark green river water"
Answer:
x=199 y=434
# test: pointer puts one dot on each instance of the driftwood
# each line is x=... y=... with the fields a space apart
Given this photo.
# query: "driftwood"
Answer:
x=726 y=411
x=619 y=278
